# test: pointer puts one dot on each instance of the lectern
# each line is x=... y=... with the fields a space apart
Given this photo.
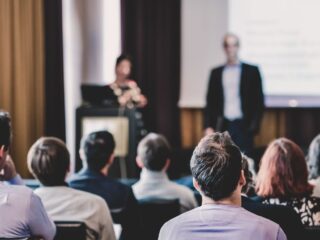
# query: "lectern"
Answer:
x=122 y=123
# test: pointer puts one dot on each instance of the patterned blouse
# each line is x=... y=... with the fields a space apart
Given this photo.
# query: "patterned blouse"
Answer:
x=308 y=208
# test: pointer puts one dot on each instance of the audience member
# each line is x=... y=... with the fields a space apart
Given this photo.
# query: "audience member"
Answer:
x=154 y=159
x=218 y=176
x=96 y=152
x=313 y=161
x=22 y=212
x=285 y=216
x=49 y=162
x=283 y=179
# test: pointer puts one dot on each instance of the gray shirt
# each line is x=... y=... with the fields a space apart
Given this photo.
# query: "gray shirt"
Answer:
x=157 y=185
x=220 y=222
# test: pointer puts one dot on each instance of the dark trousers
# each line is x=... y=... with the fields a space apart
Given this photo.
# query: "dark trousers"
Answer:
x=240 y=134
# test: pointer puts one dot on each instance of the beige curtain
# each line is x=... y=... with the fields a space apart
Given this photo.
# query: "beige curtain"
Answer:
x=22 y=73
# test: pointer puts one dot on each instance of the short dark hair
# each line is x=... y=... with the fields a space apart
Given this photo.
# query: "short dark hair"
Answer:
x=216 y=165
x=49 y=161
x=153 y=151
x=313 y=158
x=123 y=57
x=5 y=130
x=97 y=147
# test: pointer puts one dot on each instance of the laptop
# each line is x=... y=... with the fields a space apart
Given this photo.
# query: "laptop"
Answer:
x=98 y=95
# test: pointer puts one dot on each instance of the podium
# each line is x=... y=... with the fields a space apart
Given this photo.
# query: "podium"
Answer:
x=122 y=123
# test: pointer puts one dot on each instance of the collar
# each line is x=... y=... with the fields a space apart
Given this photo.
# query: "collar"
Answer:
x=153 y=175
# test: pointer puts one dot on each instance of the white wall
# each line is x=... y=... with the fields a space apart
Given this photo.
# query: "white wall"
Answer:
x=204 y=23
x=91 y=43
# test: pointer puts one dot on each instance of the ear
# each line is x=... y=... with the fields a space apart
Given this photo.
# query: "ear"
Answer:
x=196 y=185
x=139 y=162
x=166 y=165
x=242 y=179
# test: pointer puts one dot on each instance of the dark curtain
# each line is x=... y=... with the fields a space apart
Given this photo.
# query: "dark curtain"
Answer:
x=302 y=125
x=54 y=85
x=151 y=35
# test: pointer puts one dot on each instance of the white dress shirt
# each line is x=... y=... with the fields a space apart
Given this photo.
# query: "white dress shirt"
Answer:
x=66 y=204
x=23 y=215
x=231 y=76
x=157 y=185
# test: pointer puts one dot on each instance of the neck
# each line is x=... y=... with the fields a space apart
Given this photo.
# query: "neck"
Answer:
x=120 y=80
x=105 y=170
x=234 y=199
x=233 y=61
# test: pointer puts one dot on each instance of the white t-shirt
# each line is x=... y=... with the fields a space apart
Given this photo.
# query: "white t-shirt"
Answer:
x=66 y=204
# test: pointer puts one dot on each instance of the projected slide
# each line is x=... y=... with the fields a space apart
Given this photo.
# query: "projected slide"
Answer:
x=283 y=38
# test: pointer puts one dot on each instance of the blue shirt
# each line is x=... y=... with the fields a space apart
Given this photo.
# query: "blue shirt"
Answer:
x=220 y=222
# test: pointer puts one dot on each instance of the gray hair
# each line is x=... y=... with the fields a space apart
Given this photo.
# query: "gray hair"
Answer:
x=313 y=158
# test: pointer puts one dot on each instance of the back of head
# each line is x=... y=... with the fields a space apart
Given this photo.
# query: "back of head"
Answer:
x=313 y=158
x=5 y=129
x=154 y=150
x=216 y=166
x=283 y=171
x=49 y=161
x=97 y=148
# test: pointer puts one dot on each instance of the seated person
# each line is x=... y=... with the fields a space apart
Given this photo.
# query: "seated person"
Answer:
x=218 y=176
x=154 y=159
x=96 y=152
x=285 y=216
x=283 y=179
x=313 y=162
x=22 y=212
x=49 y=162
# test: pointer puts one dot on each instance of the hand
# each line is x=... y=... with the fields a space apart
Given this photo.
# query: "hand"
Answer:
x=208 y=131
x=9 y=170
x=143 y=101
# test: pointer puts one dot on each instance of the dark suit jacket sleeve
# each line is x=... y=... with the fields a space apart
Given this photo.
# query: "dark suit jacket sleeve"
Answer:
x=258 y=100
x=210 y=117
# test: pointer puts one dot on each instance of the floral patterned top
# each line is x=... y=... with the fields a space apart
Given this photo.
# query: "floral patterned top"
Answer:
x=308 y=208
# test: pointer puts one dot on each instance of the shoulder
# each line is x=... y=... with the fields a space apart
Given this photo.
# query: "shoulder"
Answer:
x=19 y=190
x=249 y=67
x=181 y=219
x=258 y=220
x=183 y=190
x=217 y=69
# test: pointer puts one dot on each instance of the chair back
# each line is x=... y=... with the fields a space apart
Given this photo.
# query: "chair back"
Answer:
x=312 y=233
x=155 y=212
x=70 y=230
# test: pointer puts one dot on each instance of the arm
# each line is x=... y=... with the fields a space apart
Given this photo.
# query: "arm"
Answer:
x=39 y=223
x=209 y=118
x=259 y=102
x=281 y=235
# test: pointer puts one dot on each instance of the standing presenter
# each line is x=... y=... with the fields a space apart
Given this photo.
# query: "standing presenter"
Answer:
x=235 y=100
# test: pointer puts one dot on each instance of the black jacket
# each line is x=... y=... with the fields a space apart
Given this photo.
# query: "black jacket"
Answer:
x=251 y=95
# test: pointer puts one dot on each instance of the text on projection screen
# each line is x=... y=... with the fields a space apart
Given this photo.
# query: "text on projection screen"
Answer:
x=283 y=38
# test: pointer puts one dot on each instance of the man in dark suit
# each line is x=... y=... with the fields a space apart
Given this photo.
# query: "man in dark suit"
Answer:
x=96 y=152
x=235 y=100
